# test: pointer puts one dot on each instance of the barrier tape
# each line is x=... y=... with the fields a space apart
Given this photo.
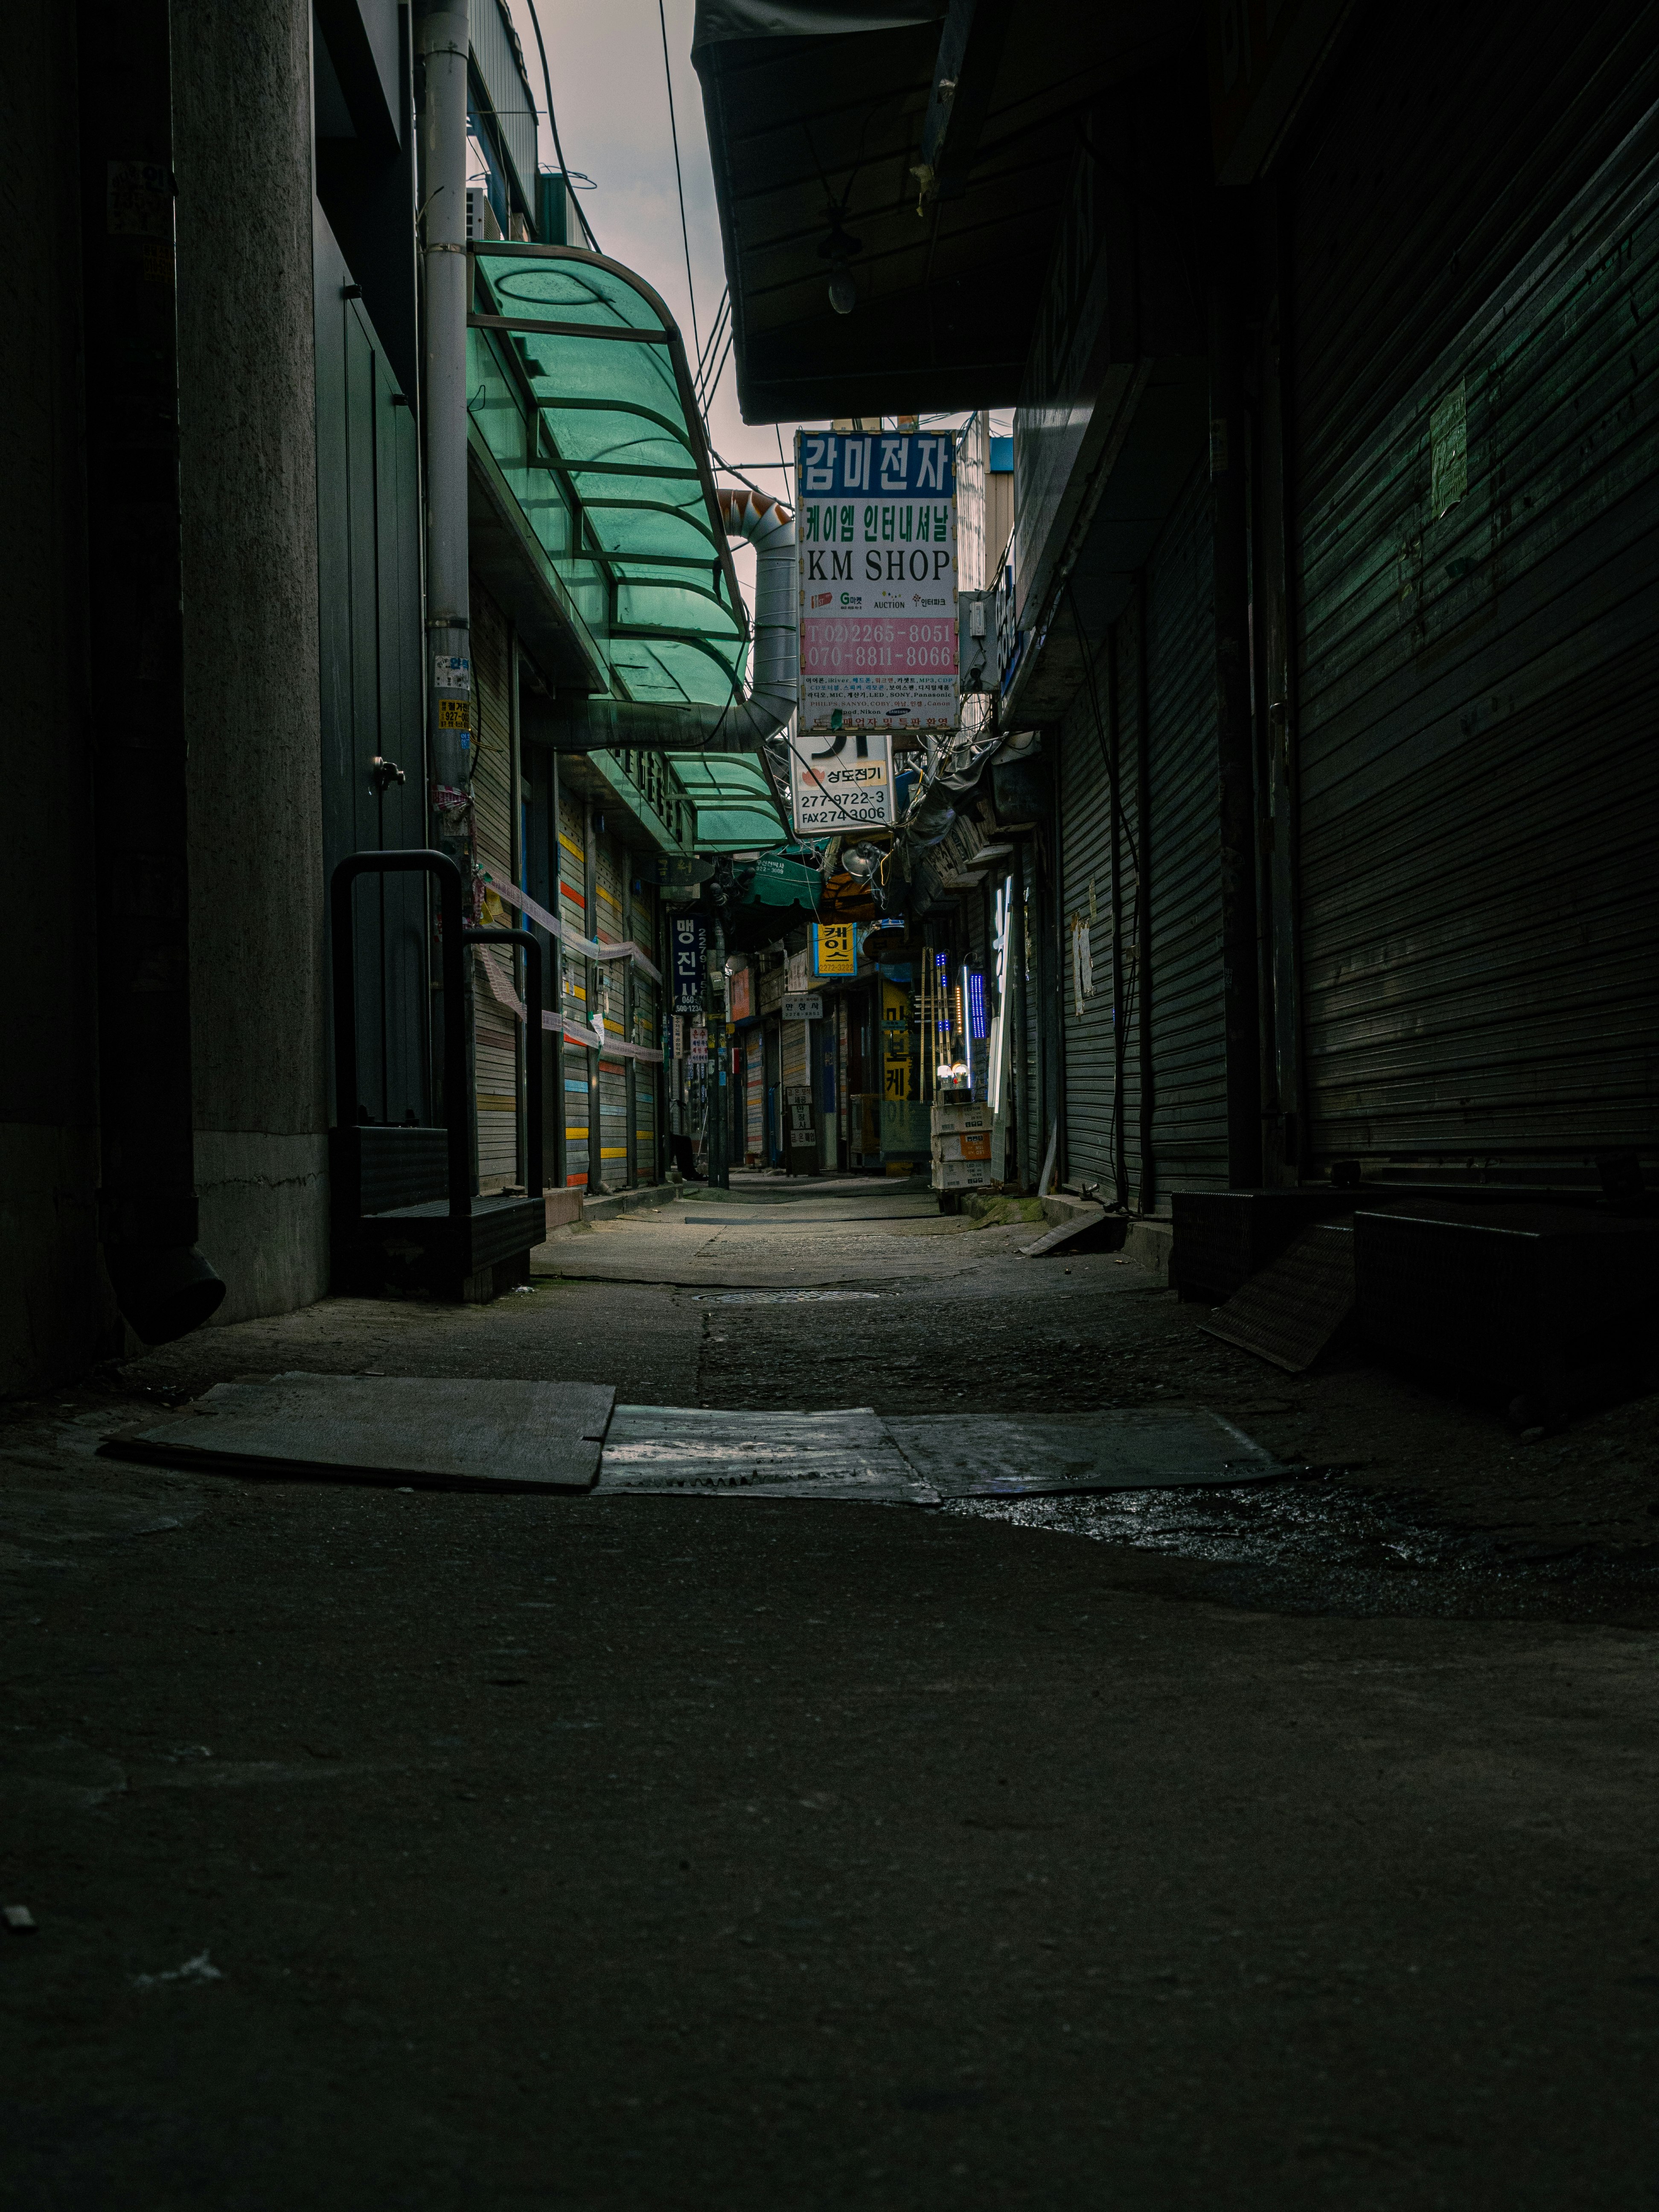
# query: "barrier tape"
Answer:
x=590 y=946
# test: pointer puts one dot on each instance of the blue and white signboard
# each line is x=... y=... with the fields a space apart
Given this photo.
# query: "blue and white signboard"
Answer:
x=875 y=537
x=688 y=943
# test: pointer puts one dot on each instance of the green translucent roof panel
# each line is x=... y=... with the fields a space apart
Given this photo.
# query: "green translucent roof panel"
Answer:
x=733 y=796
x=586 y=392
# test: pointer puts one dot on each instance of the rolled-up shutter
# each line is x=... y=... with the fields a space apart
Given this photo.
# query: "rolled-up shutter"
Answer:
x=1476 y=427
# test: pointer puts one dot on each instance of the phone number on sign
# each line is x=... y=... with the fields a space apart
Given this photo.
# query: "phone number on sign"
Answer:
x=822 y=631
x=835 y=658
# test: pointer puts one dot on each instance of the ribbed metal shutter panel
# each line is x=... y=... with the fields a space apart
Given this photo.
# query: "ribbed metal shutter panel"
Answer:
x=646 y=1031
x=496 y=1032
x=1189 y=1057
x=1479 y=785
x=608 y=864
x=1085 y=880
x=573 y=913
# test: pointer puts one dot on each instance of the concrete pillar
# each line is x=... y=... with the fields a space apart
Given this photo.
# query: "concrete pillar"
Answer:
x=247 y=440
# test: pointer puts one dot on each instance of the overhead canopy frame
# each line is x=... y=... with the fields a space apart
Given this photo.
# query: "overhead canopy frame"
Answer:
x=582 y=373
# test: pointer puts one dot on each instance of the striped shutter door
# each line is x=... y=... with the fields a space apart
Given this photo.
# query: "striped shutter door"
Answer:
x=496 y=1031
x=647 y=1033
x=573 y=916
x=609 y=862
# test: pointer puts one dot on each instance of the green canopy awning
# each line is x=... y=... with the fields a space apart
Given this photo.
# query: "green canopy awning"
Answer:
x=732 y=796
x=577 y=381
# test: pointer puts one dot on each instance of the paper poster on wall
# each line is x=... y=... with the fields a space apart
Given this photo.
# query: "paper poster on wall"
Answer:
x=876 y=539
x=840 y=780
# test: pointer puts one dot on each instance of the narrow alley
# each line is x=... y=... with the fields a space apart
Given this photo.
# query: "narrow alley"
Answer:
x=830 y=1107
x=402 y=1847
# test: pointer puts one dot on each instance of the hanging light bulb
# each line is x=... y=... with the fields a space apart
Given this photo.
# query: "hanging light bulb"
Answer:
x=838 y=249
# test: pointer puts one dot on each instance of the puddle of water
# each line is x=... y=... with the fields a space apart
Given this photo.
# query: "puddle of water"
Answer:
x=772 y=1297
x=1311 y=1546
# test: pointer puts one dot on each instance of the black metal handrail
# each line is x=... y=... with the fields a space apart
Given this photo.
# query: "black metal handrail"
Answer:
x=457 y=1121
x=533 y=1052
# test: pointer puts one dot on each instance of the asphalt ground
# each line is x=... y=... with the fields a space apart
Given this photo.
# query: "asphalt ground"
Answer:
x=432 y=1851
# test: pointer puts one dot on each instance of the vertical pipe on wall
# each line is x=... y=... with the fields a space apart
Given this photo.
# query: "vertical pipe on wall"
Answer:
x=1235 y=737
x=147 y=1211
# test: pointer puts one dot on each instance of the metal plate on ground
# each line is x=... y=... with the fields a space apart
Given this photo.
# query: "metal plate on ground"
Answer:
x=1127 y=1448
x=1292 y=1309
x=688 y=1450
x=405 y=1430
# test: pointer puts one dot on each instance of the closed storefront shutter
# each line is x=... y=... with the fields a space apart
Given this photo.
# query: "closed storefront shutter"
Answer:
x=647 y=1034
x=1185 y=1013
x=1085 y=947
x=754 y=1064
x=496 y=1030
x=573 y=915
x=613 y=983
x=1479 y=583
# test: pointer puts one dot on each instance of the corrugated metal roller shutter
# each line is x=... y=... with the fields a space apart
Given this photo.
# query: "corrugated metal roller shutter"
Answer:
x=496 y=1031
x=646 y=1031
x=1085 y=945
x=1187 y=1013
x=573 y=913
x=1480 y=786
x=614 y=1140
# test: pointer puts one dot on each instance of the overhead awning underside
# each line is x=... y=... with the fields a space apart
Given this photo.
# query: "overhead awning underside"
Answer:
x=817 y=111
x=736 y=808
x=578 y=384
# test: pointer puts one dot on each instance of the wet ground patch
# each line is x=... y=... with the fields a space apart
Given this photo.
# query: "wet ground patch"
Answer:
x=1318 y=1543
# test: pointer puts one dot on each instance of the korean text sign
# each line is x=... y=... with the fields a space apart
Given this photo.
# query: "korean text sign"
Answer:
x=840 y=780
x=687 y=935
x=875 y=537
x=835 y=948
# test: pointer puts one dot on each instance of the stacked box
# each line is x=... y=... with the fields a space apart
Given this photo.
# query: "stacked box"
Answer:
x=961 y=1175
x=961 y=1146
x=951 y=1119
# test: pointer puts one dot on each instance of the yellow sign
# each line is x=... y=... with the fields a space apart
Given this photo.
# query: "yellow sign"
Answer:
x=896 y=1040
x=454 y=713
x=834 y=948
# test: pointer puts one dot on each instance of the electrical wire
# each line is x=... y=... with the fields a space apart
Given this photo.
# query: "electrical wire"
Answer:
x=553 y=125
x=679 y=181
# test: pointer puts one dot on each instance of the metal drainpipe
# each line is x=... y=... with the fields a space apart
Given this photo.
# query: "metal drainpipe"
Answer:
x=440 y=38
x=147 y=1205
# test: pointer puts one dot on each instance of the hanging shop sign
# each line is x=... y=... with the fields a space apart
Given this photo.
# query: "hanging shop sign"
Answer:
x=834 y=948
x=840 y=780
x=877 y=557
x=687 y=941
x=740 y=992
x=896 y=1040
x=803 y=1007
